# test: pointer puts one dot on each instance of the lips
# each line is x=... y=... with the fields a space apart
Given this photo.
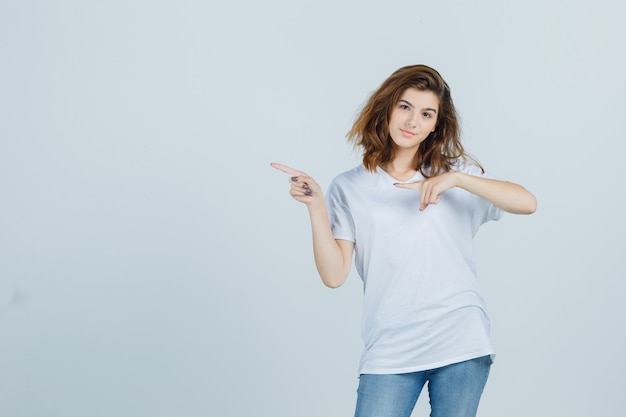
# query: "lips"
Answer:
x=407 y=133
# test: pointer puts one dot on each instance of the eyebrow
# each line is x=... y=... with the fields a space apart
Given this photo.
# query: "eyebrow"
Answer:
x=411 y=104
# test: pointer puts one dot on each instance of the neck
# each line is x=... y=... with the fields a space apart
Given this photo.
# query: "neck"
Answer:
x=401 y=166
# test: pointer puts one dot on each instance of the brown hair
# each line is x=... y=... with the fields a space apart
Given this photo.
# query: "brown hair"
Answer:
x=438 y=152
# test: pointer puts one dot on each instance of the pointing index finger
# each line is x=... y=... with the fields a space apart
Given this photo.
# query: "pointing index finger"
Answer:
x=286 y=169
x=417 y=185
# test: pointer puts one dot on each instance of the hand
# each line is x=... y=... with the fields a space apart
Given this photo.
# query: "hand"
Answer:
x=431 y=188
x=303 y=188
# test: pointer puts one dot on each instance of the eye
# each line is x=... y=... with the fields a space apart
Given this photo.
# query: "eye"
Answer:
x=404 y=106
x=427 y=115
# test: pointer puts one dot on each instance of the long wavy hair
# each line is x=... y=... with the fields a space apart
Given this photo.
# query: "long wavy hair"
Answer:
x=441 y=148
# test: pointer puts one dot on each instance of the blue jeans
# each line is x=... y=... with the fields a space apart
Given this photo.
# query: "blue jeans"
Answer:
x=454 y=390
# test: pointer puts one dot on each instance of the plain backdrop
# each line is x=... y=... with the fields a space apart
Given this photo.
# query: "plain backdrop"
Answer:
x=153 y=264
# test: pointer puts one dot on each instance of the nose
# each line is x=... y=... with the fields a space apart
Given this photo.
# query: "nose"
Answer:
x=412 y=119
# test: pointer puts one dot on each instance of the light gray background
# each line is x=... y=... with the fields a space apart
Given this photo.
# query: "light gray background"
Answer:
x=153 y=264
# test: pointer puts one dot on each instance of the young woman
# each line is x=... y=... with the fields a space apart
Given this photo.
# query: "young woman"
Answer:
x=409 y=214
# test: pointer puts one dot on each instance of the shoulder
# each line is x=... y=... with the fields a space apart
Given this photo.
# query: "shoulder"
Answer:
x=356 y=174
x=468 y=166
x=350 y=183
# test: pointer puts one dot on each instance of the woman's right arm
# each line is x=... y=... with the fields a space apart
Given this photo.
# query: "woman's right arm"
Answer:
x=333 y=257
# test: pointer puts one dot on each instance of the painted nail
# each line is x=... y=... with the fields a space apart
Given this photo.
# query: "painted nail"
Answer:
x=294 y=179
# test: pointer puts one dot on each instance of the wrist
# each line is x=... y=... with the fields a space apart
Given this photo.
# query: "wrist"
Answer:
x=459 y=179
x=316 y=204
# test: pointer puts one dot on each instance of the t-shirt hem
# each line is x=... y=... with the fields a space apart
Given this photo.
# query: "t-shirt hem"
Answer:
x=427 y=367
x=344 y=237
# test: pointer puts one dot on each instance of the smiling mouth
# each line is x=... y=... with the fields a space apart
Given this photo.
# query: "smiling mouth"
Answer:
x=407 y=133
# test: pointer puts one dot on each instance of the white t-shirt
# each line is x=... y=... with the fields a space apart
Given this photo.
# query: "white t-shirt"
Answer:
x=422 y=306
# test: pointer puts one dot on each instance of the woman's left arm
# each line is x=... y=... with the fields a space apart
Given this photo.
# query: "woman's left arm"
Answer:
x=508 y=196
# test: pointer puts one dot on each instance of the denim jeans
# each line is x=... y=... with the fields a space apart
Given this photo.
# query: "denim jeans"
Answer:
x=454 y=390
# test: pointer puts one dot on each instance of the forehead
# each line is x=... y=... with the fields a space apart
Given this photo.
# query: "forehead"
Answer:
x=420 y=98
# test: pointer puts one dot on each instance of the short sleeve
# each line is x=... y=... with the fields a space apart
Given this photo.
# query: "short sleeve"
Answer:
x=483 y=211
x=341 y=222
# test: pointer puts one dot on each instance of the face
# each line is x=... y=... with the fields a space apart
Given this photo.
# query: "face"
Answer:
x=413 y=118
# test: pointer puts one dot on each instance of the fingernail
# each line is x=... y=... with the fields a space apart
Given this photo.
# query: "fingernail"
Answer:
x=396 y=183
x=294 y=179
